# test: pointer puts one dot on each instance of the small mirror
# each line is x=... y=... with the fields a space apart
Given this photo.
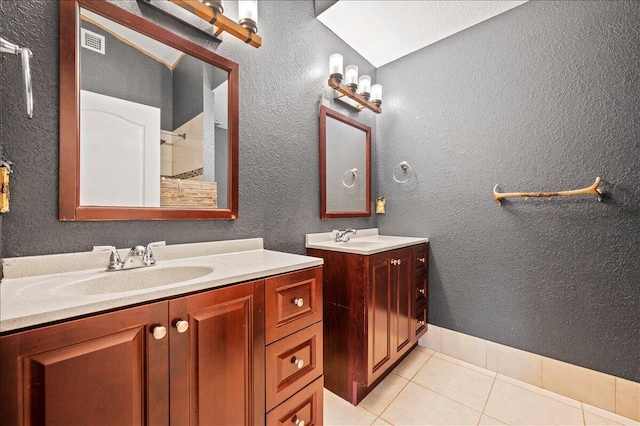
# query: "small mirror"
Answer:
x=157 y=118
x=345 y=166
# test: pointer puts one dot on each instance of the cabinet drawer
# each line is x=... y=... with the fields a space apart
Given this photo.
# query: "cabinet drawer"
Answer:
x=420 y=323
x=293 y=301
x=421 y=259
x=421 y=289
x=305 y=406
x=293 y=363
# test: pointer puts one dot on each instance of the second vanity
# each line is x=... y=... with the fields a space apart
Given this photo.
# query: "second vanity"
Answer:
x=216 y=333
x=375 y=305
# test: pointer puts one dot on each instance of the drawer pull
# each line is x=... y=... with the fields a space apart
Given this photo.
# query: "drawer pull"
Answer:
x=421 y=290
x=421 y=259
x=181 y=325
x=297 y=421
x=159 y=332
x=298 y=301
x=298 y=362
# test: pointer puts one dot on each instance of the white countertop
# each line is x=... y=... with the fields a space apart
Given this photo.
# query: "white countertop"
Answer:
x=32 y=300
x=365 y=242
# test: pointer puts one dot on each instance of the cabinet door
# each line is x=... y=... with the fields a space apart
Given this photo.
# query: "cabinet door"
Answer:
x=217 y=363
x=403 y=296
x=106 y=370
x=379 y=322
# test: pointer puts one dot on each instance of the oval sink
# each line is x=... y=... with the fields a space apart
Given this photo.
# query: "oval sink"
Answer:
x=361 y=244
x=133 y=280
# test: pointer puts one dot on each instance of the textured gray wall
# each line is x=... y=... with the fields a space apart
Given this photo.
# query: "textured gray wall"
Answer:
x=281 y=85
x=188 y=95
x=543 y=97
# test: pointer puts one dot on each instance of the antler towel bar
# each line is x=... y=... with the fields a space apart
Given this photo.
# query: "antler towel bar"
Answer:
x=592 y=190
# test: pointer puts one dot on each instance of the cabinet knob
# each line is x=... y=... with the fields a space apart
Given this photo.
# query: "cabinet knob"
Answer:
x=394 y=262
x=421 y=322
x=421 y=290
x=159 y=332
x=297 y=421
x=298 y=301
x=298 y=362
x=181 y=325
x=422 y=259
x=399 y=262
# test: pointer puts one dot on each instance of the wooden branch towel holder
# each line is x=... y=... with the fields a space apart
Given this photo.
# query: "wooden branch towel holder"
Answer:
x=591 y=190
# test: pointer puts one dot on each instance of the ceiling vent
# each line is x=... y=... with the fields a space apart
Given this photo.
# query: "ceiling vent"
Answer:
x=92 y=41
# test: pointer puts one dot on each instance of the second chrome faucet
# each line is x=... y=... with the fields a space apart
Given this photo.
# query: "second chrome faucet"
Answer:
x=343 y=236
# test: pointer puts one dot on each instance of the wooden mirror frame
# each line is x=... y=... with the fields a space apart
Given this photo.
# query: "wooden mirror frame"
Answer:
x=69 y=201
x=324 y=214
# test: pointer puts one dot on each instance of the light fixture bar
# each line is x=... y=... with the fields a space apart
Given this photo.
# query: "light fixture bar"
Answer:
x=221 y=22
x=345 y=91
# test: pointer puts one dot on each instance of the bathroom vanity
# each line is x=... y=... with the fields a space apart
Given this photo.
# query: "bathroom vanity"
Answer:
x=233 y=337
x=375 y=306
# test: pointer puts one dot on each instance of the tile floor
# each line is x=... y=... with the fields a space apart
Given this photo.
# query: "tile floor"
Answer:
x=429 y=388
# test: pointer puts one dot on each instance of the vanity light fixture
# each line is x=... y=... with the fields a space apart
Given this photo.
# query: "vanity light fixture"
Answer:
x=210 y=18
x=355 y=92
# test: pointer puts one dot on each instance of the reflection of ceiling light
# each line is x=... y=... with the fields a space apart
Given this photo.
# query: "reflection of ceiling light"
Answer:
x=211 y=11
x=358 y=93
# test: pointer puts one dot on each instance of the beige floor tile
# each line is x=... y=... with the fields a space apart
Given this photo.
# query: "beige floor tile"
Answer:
x=514 y=405
x=579 y=383
x=489 y=421
x=609 y=415
x=594 y=420
x=540 y=391
x=416 y=405
x=432 y=339
x=337 y=411
x=453 y=381
x=473 y=367
x=424 y=349
x=464 y=347
x=411 y=364
x=380 y=422
x=515 y=363
x=628 y=398
x=384 y=393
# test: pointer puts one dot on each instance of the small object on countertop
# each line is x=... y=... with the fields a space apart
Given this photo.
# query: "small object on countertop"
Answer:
x=381 y=205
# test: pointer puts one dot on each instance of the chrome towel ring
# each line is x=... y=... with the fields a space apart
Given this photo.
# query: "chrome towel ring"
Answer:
x=353 y=172
x=404 y=166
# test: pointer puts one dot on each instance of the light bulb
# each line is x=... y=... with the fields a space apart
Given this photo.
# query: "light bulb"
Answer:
x=351 y=77
x=335 y=67
x=376 y=94
x=248 y=13
x=364 y=85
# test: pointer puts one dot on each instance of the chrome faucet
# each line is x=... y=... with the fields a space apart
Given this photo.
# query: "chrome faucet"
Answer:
x=138 y=256
x=343 y=236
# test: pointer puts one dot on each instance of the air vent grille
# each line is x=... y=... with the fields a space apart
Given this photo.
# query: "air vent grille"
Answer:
x=92 y=41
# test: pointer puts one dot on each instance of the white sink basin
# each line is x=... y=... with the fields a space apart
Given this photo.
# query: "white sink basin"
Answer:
x=132 y=280
x=362 y=244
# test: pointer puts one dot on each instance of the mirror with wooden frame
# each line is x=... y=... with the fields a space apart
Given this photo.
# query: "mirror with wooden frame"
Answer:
x=345 y=166
x=148 y=120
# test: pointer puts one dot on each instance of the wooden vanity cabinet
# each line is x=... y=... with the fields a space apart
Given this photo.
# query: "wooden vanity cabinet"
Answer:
x=371 y=305
x=192 y=360
x=50 y=374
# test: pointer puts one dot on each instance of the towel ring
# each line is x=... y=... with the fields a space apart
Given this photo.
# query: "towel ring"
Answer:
x=404 y=166
x=354 y=173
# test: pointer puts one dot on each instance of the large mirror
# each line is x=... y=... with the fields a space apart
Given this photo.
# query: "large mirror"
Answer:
x=345 y=166
x=149 y=120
